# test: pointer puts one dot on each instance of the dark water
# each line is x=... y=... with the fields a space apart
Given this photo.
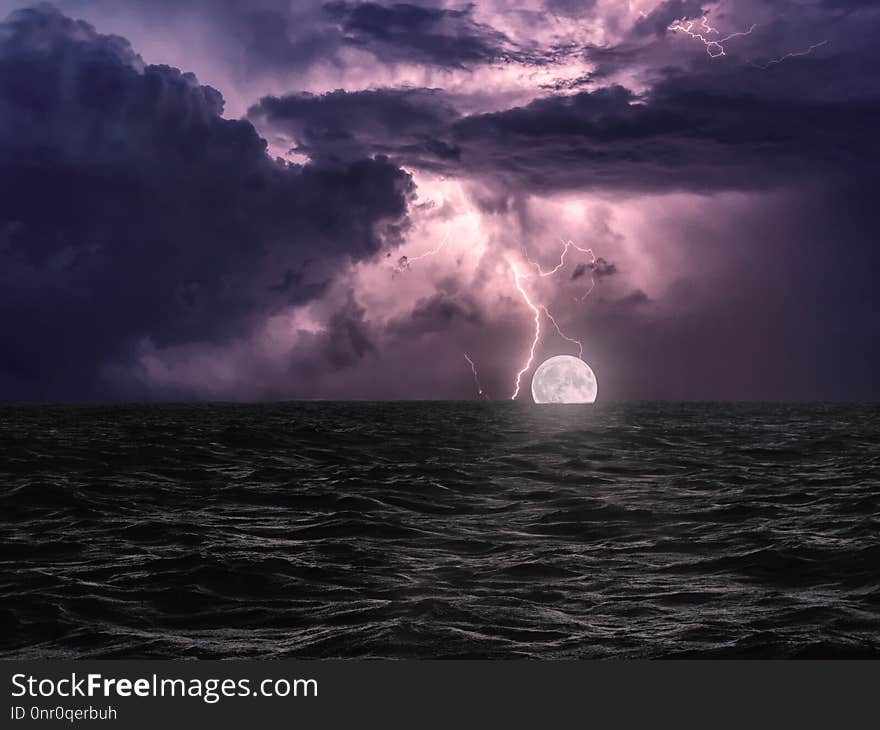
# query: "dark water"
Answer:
x=440 y=530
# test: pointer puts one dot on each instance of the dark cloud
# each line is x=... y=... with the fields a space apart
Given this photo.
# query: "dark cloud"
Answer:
x=436 y=314
x=672 y=139
x=681 y=136
x=295 y=284
x=346 y=338
x=634 y=299
x=342 y=126
x=599 y=269
x=130 y=210
x=419 y=34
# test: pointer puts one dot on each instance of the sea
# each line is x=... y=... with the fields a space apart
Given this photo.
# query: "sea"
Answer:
x=440 y=530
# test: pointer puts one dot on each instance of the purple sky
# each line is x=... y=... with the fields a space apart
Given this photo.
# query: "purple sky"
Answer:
x=267 y=200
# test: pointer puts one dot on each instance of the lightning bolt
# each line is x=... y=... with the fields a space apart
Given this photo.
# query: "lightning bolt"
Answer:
x=565 y=248
x=538 y=309
x=517 y=277
x=580 y=345
x=793 y=54
x=404 y=262
x=714 y=46
x=480 y=390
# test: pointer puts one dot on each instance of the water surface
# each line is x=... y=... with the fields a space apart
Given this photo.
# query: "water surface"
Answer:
x=440 y=530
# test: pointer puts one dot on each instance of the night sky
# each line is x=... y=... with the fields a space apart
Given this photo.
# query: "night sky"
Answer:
x=219 y=200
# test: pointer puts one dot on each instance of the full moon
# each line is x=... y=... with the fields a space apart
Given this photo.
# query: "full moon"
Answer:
x=564 y=379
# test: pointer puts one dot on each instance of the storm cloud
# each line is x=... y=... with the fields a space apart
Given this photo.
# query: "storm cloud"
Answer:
x=131 y=210
x=420 y=34
x=340 y=125
x=678 y=137
x=164 y=237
